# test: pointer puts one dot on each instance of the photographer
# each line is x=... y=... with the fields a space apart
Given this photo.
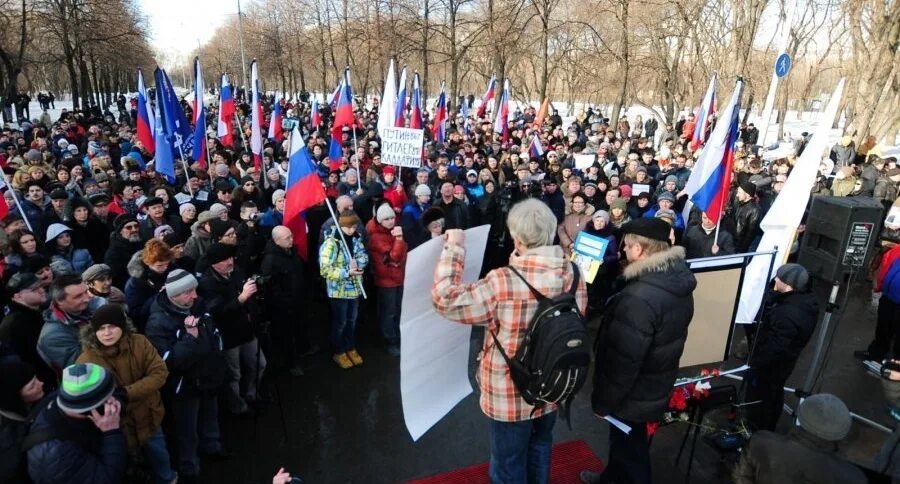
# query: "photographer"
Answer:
x=250 y=239
x=75 y=437
x=230 y=296
x=189 y=343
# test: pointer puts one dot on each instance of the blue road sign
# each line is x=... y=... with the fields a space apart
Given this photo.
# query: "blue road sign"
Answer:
x=783 y=65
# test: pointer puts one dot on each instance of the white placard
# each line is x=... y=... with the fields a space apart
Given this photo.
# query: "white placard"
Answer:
x=402 y=146
x=434 y=352
x=638 y=188
x=583 y=162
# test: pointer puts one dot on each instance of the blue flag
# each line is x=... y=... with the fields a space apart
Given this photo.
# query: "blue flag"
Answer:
x=165 y=162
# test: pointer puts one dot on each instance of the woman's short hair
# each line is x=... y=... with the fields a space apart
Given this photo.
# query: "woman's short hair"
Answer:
x=532 y=223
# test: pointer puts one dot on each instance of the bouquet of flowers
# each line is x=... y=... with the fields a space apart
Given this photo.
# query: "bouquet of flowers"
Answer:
x=683 y=398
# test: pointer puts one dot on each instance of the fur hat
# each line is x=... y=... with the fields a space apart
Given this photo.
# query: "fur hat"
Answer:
x=218 y=252
x=651 y=228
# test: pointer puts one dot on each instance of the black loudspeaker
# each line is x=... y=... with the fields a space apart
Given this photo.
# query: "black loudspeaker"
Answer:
x=840 y=236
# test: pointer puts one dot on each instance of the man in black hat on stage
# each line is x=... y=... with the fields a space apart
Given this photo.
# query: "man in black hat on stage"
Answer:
x=746 y=218
x=639 y=344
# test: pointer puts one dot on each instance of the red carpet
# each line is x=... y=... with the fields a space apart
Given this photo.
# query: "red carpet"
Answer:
x=568 y=460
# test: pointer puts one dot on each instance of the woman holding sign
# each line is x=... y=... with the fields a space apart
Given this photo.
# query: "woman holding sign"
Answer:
x=600 y=287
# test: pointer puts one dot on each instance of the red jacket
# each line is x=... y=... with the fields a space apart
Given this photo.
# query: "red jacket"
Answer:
x=387 y=256
x=887 y=259
x=397 y=198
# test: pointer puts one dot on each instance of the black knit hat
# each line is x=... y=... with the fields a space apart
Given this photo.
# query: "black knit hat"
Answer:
x=748 y=187
x=217 y=228
x=123 y=220
x=652 y=228
x=85 y=386
x=111 y=313
x=218 y=252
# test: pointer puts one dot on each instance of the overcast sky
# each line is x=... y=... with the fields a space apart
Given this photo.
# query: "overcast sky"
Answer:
x=177 y=25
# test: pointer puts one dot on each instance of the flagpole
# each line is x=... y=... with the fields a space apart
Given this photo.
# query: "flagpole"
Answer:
x=241 y=37
x=184 y=165
x=240 y=130
x=337 y=226
x=16 y=199
x=355 y=142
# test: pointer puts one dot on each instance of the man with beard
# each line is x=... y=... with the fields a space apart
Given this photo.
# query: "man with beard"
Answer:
x=123 y=243
x=100 y=208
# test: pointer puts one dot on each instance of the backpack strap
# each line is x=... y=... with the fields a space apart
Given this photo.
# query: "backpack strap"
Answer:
x=537 y=294
x=575 y=280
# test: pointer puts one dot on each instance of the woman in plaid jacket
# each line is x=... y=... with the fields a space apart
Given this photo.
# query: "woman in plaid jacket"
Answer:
x=521 y=436
x=343 y=281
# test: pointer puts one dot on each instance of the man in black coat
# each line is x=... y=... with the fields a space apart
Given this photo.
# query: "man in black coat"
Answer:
x=231 y=299
x=123 y=243
x=456 y=214
x=700 y=240
x=187 y=339
x=284 y=300
x=639 y=344
x=21 y=327
x=746 y=218
x=788 y=322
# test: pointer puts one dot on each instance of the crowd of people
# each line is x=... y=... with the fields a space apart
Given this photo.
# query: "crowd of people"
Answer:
x=136 y=304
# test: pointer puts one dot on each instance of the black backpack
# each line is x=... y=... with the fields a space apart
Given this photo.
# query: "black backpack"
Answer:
x=552 y=363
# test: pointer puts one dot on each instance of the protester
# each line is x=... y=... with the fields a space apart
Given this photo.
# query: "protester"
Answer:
x=639 y=344
x=111 y=342
x=807 y=453
x=342 y=261
x=72 y=439
x=59 y=343
x=185 y=335
x=886 y=341
x=788 y=322
x=20 y=390
x=387 y=251
x=230 y=296
x=286 y=298
x=22 y=325
x=707 y=240
x=497 y=301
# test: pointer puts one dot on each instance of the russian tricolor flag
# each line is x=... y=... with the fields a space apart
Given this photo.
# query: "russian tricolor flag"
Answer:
x=255 y=120
x=336 y=95
x=501 y=123
x=400 y=115
x=146 y=119
x=704 y=115
x=303 y=190
x=276 y=130
x=439 y=128
x=415 y=114
x=487 y=97
x=199 y=151
x=713 y=170
x=226 y=113
x=535 y=150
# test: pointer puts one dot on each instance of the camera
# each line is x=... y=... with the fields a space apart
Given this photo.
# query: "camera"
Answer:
x=255 y=216
x=260 y=280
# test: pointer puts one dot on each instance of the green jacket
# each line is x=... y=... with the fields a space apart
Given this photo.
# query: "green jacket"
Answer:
x=335 y=268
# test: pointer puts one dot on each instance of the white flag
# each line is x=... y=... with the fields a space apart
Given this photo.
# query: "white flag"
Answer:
x=786 y=213
x=388 y=106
